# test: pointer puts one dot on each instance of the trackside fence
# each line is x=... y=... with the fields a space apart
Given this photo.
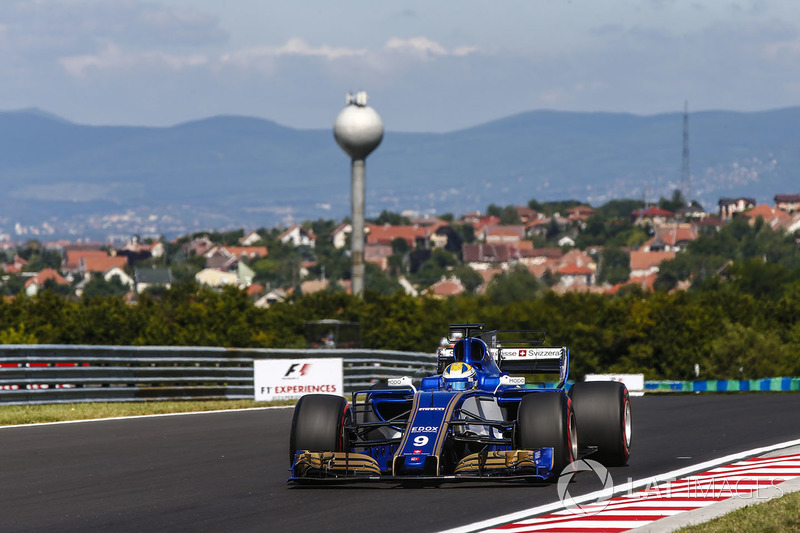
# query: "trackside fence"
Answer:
x=725 y=385
x=46 y=373
x=43 y=373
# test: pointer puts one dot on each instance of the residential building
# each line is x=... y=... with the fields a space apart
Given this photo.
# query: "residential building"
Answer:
x=297 y=235
x=378 y=254
x=496 y=234
x=670 y=237
x=651 y=215
x=216 y=278
x=121 y=275
x=773 y=217
x=580 y=213
x=788 y=202
x=271 y=297
x=728 y=207
x=445 y=287
x=481 y=256
x=526 y=214
x=250 y=239
x=38 y=280
x=145 y=278
x=415 y=236
x=340 y=234
x=644 y=263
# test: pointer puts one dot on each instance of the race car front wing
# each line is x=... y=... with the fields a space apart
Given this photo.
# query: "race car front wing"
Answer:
x=533 y=465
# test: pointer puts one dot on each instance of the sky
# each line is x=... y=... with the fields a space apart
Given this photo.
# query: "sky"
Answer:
x=427 y=66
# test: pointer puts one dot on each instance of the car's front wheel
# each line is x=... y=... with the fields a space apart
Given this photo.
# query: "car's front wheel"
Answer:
x=318 y=424
x=603 y=412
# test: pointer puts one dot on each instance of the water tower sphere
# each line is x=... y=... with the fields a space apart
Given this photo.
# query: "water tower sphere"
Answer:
x=358 y=130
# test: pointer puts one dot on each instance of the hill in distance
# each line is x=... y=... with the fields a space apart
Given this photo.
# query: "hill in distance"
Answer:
x=233 y=172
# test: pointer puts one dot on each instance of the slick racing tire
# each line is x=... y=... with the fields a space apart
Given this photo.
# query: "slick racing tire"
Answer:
x=544 y=420
x=318 y=424
x=603 y=412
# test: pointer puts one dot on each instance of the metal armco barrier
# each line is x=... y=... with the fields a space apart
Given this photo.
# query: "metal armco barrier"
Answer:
x=44 y=373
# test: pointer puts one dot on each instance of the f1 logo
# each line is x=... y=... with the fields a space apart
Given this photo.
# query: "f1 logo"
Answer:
x=294 y=372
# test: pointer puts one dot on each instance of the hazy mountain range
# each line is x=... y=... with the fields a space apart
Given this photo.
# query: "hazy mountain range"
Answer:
x=231 y=171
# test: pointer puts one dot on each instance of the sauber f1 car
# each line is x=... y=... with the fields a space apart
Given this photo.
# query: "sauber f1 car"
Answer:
x=478 y=418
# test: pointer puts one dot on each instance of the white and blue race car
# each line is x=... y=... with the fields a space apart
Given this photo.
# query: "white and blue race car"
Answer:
x=484 y=416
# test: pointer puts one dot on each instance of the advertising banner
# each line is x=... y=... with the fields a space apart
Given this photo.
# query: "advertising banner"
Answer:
x=289 y=379
x=634 y=382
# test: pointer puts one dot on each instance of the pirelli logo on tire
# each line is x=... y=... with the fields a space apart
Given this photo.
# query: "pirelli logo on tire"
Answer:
x=289 y=379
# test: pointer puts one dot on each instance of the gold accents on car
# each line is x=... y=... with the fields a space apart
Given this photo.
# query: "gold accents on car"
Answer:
x=499 y=460
x=335 y=464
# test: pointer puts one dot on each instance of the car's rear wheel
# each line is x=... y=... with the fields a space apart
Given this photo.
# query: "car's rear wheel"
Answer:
x=544 y=420
x=603 y=412
x=318 y=424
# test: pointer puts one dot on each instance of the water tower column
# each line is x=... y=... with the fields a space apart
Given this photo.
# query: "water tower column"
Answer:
x=358 y=174
x=358 y=130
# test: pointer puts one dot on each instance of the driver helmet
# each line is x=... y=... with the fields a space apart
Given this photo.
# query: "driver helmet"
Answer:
x=459 y=376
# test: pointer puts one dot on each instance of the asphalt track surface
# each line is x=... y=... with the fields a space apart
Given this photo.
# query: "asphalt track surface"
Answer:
x=227 y=471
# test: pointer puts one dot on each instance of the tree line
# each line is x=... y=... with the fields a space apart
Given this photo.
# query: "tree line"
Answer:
x=723 y=327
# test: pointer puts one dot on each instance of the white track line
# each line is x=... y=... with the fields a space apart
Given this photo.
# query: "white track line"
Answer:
x=133 y=417
x=626 y=487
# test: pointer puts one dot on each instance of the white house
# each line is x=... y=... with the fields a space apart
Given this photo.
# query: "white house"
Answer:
x=297 y=235
x=250 y=239
x=126 y=280
x=340 y=234
x=216 y=278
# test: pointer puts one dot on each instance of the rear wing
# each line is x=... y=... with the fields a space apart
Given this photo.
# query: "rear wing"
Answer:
x=514 y=351
x=542 y=360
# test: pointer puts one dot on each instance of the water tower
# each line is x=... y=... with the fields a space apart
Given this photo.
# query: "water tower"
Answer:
x=358 y=130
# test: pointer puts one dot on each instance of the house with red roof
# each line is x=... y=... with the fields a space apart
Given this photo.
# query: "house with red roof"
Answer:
x=15 y=266
x=526 y=214
x=580 y=213
x=483 y=221
x=671 y=238
x=773 y=217
x=572 y=274
x=385 y=234
x=645 y=263
x=481 y=255
x=496 y=233
x=37 y=282
x=651 y=215
x=91 y=261
x=198 y=246
x=445 y=287
x=645 y=282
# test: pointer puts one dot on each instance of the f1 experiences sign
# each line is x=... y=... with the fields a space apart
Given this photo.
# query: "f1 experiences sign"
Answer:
x=288 y=379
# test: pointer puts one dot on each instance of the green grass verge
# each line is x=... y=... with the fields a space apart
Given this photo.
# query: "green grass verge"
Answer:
x=33 y=414
x=778 y=516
